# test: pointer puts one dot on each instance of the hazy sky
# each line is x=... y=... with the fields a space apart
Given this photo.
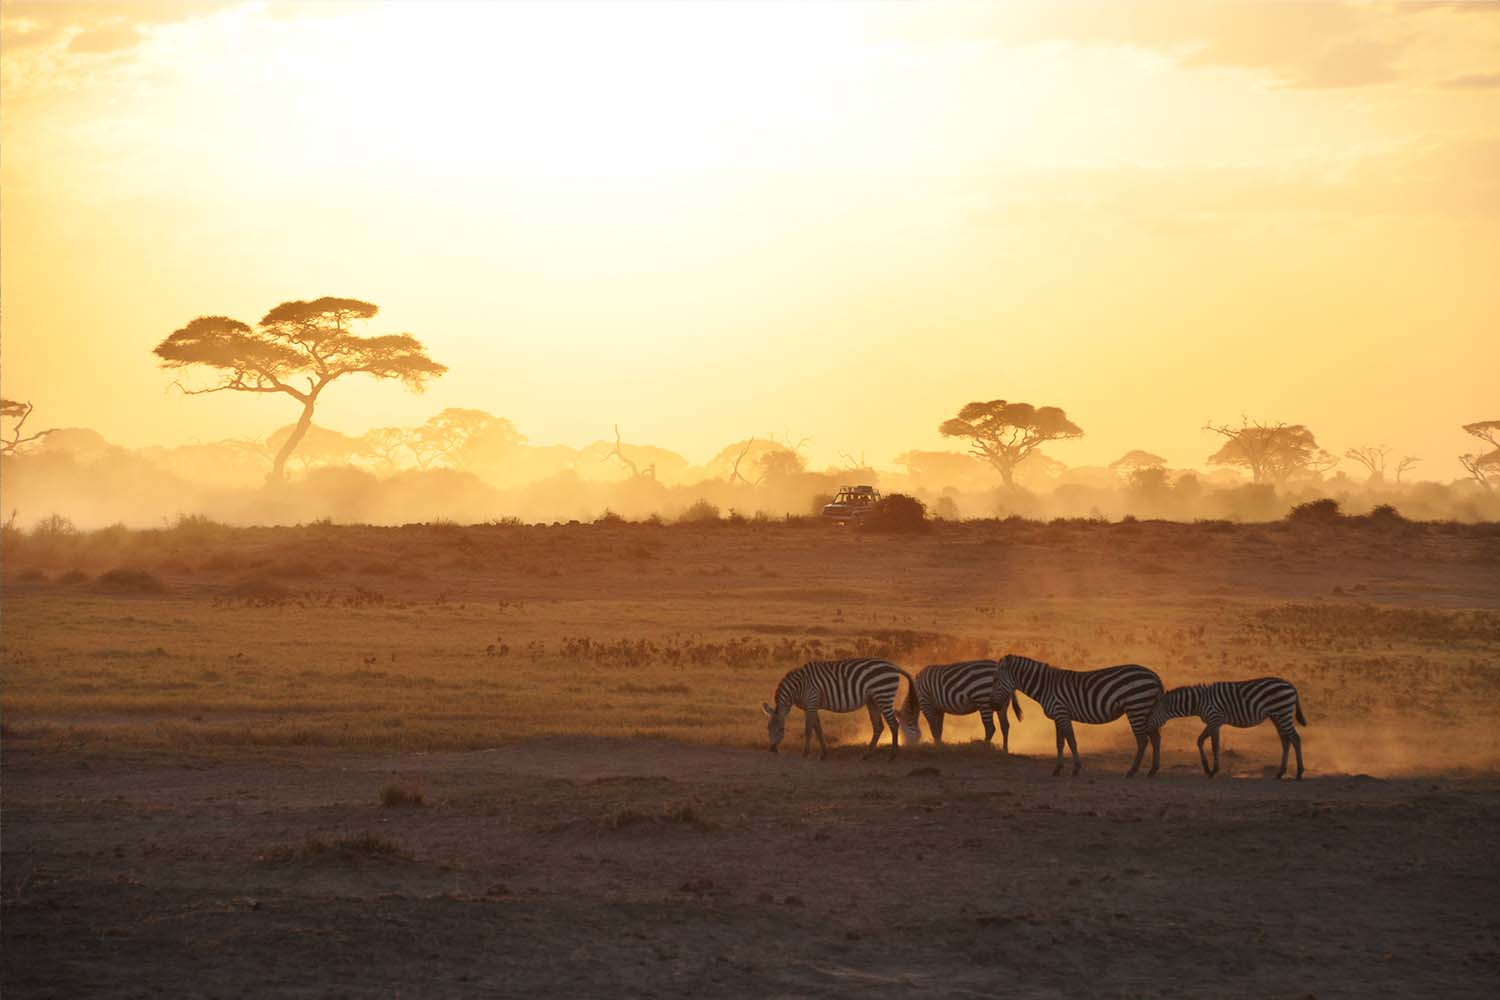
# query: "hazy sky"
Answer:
x=707 y=221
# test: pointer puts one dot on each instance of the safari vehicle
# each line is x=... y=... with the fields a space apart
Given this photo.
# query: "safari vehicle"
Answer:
x=852 y=503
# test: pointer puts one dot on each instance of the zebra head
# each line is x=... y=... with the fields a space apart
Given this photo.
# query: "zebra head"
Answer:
x=775 y=723
x=1174 y=704
x=911 y=732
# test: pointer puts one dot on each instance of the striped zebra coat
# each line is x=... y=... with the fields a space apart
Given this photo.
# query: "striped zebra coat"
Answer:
x=958 y=689
x=840 y=686
x=1241 y=704
x=1091 y=696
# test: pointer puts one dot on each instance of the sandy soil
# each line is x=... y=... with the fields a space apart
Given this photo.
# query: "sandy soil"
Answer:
x=591 y=867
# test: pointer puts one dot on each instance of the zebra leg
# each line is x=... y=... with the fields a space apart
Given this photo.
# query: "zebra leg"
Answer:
x=818 y=728
x=1073 y=746
x=809 y=720
x=1297 y=745
x=988 y=718
x=935 y=726
x=1004 y=733
x=1140 y=753
x=1155 y=737
x=1202 y=756
x=890 y=718
x=876 y=728
x=1215 y=736
x=1061 y=739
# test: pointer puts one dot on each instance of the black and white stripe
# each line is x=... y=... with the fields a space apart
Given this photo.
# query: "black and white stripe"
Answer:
x=1091 y=696
x=1241 y=704
x=960 y=688
x=840 y=686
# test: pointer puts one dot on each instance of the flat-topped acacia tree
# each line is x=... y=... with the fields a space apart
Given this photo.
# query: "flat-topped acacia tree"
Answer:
x=298 y=349
x=1004 y=434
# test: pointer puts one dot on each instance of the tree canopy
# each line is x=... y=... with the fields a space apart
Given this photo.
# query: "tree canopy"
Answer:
x=297 y=350
x=1003 y=433
x=1273 y=453
x=1484 y=466
x=10 y=409
x=1136 y=459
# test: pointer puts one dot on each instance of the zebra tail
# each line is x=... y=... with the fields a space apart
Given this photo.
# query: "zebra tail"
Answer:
x=1301 y=719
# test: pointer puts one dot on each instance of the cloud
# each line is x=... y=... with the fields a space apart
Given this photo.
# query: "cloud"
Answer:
x=1299 y=45
x=1451 y=178
x=115 y=37
x=1471 y=81
x=91 y=28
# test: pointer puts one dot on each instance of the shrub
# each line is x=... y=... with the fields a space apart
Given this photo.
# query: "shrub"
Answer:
x=130 y=581
x=54 y=526
x=609 y=517
x=946 y=509
x=700 y=512
x=394 y=796
x=897 y=514
x=1324 y=511
x=73 y=576
x=1386 y=514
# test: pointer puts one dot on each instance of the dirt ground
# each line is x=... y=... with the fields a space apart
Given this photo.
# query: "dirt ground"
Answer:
x=592 y=867
x=200 y=725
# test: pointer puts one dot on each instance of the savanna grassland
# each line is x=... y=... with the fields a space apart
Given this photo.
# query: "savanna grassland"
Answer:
x=516 y=759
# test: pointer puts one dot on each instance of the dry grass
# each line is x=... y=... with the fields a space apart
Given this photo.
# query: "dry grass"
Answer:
x=475 y=636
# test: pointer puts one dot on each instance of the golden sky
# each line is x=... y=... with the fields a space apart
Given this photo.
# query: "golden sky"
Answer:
x=840 y=221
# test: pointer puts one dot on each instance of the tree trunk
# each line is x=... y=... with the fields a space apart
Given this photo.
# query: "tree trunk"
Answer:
x=1008 y=474
x=278 y=468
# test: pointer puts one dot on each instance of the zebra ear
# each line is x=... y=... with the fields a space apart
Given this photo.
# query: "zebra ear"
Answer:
x=766 y=708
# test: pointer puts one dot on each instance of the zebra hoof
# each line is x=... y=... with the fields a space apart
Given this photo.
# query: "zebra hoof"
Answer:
x=1057 y=772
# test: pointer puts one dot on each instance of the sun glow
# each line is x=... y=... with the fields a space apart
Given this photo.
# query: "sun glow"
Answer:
x=674 y=210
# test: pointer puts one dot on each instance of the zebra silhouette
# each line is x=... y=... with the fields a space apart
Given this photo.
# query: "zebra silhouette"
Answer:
x=960 y=688
x=839 y=686
x=1241 y=704
x=1091 y=696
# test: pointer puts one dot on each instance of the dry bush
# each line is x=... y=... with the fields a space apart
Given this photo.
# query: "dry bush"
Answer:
x=395 y=795
x=682 y=816
x=1322 y=511
x=701 y=512
x=360 y=847
x=123 y=580
x=897 y=514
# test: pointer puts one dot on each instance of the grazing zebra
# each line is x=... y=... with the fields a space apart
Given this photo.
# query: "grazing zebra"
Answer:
x=1093 y=696
x=957 y=689
x=840 y=686
x=1241 y=704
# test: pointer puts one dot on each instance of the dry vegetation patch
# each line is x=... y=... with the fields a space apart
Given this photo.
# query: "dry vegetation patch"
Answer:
x=685 y=644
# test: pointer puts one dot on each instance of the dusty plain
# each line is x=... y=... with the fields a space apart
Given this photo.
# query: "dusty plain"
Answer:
x=507 y=760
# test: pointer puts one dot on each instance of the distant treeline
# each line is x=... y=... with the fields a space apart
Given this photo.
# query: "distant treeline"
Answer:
x=469 y=466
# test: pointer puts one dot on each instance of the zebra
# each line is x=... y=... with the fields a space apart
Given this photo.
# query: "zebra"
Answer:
x=1093 y=696
x=957 y=689
x=840 y=686
x=1241 y=704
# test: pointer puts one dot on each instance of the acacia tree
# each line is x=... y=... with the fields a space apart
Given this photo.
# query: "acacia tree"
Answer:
x=1135 y=460
x=1372 y=457
x=12 y=410
x=448 y=432
x=1003 y=434
x=1484 y=466
x=320 y=446
x=298 y=349
x=1273 y=453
